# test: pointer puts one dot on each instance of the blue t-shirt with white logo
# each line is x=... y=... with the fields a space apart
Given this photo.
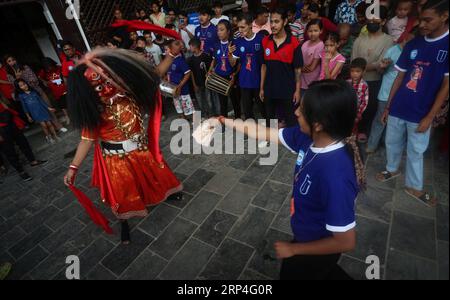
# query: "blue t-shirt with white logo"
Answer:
x=251 y=55
x=208 y=37
x=223 y=66
x=325 y=190
x=425 y=64
x=178 y=70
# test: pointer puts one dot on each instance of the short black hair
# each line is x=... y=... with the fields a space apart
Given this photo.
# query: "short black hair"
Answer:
x=440 y=6
x=195 y=42
x=313 y=7
x=205 y=10
x=183 y=13
x=114 y=42
x=291 y=8
x=317 y=22
x=280 y=11
x=262 y=10
x=333 y=36
x=217 y=4
x=359 y=63
x=362 y=8
x=140 y=50
x=67 y=43
x=169 y=43
x=155 y=2
x=227 y=25
x=147 y=32
x=141 y=38
x=384 y=12
x=248 y=18
x=333 y=104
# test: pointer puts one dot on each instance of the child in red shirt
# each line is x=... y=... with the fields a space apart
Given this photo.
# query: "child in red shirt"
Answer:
x=52 y=76
x=357 y=69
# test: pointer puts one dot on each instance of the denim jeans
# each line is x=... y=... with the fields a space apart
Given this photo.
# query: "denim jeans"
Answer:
x=377 y=130
x=398 y=134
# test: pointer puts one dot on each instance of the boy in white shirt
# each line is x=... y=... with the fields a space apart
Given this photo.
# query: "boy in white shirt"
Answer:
x=155 y=50
x=218 y=9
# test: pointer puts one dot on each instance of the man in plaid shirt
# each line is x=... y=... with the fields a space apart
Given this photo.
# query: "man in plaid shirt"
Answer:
x=357 y=69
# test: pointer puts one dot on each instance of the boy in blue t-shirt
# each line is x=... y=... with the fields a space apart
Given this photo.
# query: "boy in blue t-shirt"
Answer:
x=206 y=31
x=179 y=75
x=418 y=93
x=328 y=176
x=388 y=64
x=248 y=50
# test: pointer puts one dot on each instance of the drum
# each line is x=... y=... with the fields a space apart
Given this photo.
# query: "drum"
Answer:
x=218 y=84
x=167 y=89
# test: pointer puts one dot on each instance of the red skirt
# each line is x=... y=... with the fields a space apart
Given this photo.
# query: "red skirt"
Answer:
x=131 y=183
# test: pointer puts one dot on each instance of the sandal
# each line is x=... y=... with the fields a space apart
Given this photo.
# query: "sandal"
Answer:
x=386 y=176
x=425 y=198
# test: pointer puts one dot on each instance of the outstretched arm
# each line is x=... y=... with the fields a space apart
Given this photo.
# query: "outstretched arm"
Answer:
x=252 y=129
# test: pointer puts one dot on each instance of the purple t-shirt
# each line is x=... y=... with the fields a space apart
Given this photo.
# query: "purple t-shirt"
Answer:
x=208 y=37
x=310 y=52
x=177 y=72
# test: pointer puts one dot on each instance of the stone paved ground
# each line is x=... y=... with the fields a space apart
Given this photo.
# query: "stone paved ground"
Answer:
x=233 y=211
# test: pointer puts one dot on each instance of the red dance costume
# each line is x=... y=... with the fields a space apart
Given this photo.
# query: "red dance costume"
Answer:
x=128 y=169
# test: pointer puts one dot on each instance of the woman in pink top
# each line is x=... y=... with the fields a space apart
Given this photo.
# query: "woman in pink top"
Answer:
x=311 y=50
x=332 y=60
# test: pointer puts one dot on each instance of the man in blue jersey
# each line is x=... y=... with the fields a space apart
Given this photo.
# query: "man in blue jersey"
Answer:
x=418 y=93
x=248 y=49
x=206 y=32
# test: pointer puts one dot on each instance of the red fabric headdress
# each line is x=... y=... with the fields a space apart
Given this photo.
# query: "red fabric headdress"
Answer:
x=141 y=25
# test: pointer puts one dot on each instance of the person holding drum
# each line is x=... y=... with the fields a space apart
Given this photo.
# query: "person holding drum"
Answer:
x=249 y=52
x=179 y=75
x=221 y=68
